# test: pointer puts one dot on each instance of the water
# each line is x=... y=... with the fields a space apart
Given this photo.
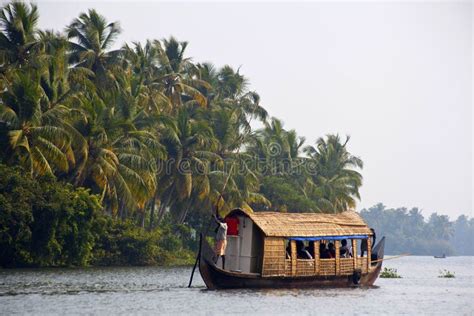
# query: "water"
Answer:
x=154 y=290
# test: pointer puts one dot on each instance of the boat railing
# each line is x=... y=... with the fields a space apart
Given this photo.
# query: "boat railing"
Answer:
x=278 y=262
x=324 y=267
x=327 y=267
x=304 y=267
x=287 y=266
x=346 y=266
x=362 y=264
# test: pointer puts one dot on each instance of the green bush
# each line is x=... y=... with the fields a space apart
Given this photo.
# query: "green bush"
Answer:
x=122 y=243
x=44 y=222
x=390 y=273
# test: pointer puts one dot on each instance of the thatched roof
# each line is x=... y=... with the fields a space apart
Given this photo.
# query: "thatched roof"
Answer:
x=309 y=224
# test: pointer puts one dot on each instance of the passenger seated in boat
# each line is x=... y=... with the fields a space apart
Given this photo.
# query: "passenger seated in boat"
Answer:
x=301 y=251
x=323 y=251
x=331 y=250
x=311 y=248
x=363 y=247
x=345 y=251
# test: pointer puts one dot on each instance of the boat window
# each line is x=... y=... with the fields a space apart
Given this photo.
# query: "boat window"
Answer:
x=361 y=247
x=327 y=249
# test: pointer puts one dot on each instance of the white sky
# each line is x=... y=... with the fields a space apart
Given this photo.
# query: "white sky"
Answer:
x=397 y=77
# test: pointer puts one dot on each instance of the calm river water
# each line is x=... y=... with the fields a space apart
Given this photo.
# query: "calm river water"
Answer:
x=153 y=290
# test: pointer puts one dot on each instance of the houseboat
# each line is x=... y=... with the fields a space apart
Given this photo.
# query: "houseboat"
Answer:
x=263 y=247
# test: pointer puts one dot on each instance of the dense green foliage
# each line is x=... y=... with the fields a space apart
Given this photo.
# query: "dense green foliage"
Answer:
x=47 y=223
x=44 y=222
x=143 y=143
x=122 y=243
x=151 y=132
x=407 y=231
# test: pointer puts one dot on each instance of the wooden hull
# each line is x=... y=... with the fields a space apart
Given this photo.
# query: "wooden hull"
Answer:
x=217 y=278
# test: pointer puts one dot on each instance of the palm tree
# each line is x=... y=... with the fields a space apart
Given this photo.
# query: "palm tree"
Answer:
x=18 y=22
x=143 y=126
x=189 y=148
x=235 y=182
x=34 y=140
x=231 y=84
x=59 y=82
x=231 y=92
x=278 y=148
x=177 y=76
x=91 y=38
x=143 y=69
x=118 y=161
x=336 y=182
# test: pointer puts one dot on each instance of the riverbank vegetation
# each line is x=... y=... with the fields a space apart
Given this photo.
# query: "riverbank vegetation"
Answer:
x=119 y=154
x=407 y=231
x=49 y=223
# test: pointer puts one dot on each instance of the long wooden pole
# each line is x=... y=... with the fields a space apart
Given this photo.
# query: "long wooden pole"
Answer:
x=198 y=258
x=395 y=257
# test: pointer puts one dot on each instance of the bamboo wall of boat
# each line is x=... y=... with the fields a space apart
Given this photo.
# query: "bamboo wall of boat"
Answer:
x=273 y=257
x=275 y=262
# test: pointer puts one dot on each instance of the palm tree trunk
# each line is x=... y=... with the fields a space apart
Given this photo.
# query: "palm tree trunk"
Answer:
x=185 y=213
x=123 y=212
x=142 y=217
x=152 y=212
x=161 y=211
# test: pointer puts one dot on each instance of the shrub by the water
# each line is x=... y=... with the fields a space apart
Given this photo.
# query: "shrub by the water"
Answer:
x=44 y=222
x=390 y=273
x=446 y=274
x=122 y=243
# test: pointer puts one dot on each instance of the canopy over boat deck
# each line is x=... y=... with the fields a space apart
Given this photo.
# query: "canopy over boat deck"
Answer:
x=275 y=224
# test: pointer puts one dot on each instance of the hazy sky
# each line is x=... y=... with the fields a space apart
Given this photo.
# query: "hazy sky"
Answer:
x=397 y=77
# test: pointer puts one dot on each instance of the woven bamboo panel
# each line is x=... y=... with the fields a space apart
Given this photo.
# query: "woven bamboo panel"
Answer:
x=288 y=267
x=346 y=266
x=310 y=224
x=273 y=257
x=327 y=267
x=362 y=264
x=304 y=267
